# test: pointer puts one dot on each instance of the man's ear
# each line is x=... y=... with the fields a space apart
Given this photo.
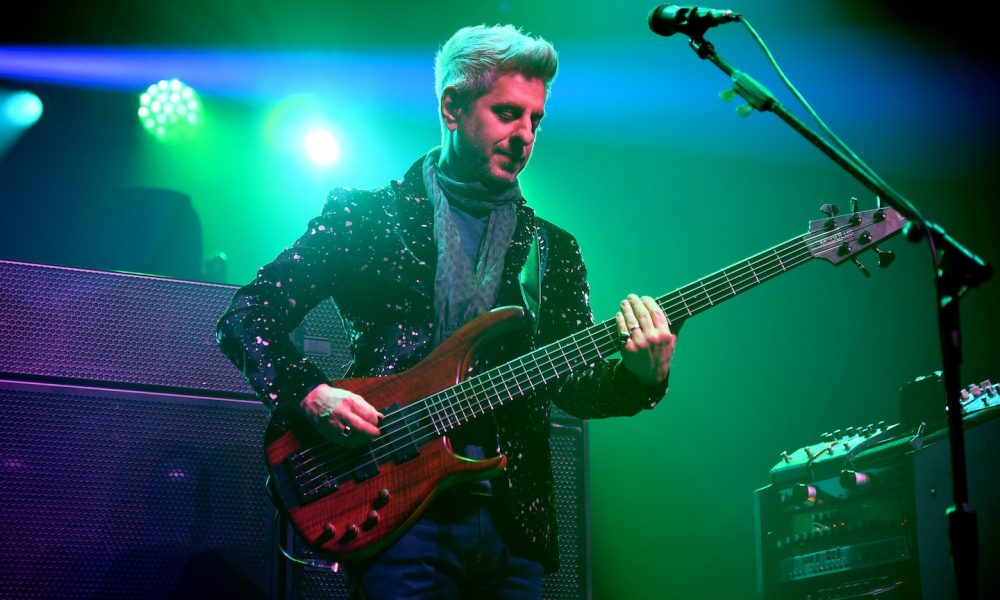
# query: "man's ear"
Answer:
x=451 y=107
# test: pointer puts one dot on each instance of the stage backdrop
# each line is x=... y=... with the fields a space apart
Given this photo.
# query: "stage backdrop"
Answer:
x=660 y=179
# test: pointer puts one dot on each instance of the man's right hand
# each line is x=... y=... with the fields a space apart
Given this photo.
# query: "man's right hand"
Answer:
x=343 y=417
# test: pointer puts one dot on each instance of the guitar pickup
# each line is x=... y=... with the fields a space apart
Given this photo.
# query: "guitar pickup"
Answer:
x=405 y=446
x=367 y=470
x=318 y=489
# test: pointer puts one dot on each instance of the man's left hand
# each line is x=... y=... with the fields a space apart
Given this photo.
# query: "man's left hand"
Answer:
x=649 y=343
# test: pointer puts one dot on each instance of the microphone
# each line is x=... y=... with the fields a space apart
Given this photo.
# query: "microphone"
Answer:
x=693 y=21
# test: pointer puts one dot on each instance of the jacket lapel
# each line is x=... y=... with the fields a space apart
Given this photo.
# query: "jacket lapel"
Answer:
x=415 y=219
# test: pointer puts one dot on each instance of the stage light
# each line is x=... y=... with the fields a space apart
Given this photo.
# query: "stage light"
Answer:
x=300 y=126
x=170 y=110
x=21 y=109
x=321 y=147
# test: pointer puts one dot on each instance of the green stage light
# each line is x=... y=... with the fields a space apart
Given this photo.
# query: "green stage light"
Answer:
x=170 y=110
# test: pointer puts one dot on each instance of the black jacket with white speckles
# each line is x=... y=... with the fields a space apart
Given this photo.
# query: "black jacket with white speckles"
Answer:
x=373 y=252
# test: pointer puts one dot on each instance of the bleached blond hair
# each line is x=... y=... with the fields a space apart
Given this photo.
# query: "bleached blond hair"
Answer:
x=473 y=58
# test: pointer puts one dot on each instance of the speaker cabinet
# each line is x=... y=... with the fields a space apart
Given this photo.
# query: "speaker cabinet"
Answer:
x=125 y=494
x=131 y=458
x=570 y=467
x=133 y=331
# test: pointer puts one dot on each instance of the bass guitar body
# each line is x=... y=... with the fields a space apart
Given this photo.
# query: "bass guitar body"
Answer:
x=351 y=502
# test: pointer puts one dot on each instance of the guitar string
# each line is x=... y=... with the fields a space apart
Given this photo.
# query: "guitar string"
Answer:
x=434 y=410
x=544 y=352
x=439 y=404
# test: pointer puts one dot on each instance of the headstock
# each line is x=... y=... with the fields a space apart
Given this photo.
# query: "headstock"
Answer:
x=841 y=237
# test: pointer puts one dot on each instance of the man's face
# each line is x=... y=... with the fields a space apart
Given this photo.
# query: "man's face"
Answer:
x=495 y=133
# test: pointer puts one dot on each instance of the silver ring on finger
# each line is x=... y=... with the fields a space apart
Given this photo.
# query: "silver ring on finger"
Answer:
x=346 y=431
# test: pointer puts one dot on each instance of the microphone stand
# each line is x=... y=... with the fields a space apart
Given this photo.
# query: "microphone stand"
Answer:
x=956 y=270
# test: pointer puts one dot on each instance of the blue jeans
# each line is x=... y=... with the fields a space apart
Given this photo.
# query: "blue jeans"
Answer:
x=453 y=551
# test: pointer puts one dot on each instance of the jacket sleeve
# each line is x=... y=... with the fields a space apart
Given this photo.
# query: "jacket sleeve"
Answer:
x=606 y=388
x=254 y=332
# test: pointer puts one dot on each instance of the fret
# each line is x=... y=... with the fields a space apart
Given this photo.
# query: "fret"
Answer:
x=597 y=349
x=451 y=405
x=694 y=296
x=775 y=251
x=435 y=411
x=469 y=399
x=714 y=285
x=524 y=376
x=747 y=279
x=707 y=295
x=458 y=404
x=696 y=300
x=566 y=358
x=552 y=365
x=763 y=261
x=493 y=385
x=516 y=382
x=538 y=367
x=583 y=358
x=430 y=415
x=684 y=301
x=768 y=269
x=443 y=406
x=730 y=283
x=507 y=389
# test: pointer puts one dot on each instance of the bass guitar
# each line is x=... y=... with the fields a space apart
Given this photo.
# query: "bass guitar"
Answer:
x=349 y=503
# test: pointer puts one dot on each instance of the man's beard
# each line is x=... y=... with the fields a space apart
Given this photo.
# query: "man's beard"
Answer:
x=477 y=165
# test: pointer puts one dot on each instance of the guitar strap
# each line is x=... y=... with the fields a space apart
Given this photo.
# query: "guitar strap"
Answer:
x=530 y=277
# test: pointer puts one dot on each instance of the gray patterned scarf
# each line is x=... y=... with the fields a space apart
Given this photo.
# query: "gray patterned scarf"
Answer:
x=463 y=291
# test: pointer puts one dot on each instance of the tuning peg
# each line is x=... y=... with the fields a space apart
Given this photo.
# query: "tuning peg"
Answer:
x=880 y=213
x=885 y=257
x=830 y=210
x=727 y=95
x=855 y=217
x=864 y=270
x=744 y=110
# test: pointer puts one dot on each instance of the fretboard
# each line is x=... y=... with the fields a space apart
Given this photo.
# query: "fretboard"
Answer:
x=495 y=387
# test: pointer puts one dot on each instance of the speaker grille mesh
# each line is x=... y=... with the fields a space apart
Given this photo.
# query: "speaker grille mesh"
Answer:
x=571 y=581
x=129 y=495
x=129 y=330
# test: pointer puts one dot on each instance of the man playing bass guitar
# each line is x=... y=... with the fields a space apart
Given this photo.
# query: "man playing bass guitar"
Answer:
x=408 y=265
